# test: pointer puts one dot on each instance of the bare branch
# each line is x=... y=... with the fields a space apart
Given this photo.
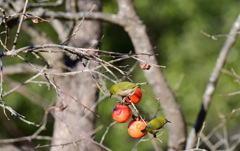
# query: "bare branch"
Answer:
x=103 y=137
x=14 y=113
x=4 y=20
x=20 y=25
x=20 y=68
x=45 y=5
x=27 y=81
x=28 y=93
x=35 y=135
x=112 y=18
x=137 y=32
x=78 y=28
x=211 y=86
x=1 y=74
x=214 y=37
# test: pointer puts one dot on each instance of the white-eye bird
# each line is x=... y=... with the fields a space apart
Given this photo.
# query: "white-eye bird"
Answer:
x=155 y=125
x=124 y=88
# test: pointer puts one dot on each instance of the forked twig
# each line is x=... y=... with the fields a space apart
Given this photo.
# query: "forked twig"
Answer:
x=14 y=113
x=25 y=82
x=78 y=26
x=4 y=20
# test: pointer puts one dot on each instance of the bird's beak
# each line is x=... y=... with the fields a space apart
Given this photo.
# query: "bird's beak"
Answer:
x=169 y=122
x=111 y=94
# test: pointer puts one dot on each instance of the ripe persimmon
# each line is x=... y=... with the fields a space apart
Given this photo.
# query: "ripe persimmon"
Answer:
x=135 y=127
x=136 y=97
x=121 y=113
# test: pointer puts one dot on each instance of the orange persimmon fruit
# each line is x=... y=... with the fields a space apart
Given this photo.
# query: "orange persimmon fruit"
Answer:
x=135 y=127
x=136 y=97
x=121 y=113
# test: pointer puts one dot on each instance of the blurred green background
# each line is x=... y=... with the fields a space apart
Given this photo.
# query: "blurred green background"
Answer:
x=175 y=29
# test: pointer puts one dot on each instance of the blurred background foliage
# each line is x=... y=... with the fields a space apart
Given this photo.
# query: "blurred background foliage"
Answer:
x=175 y=29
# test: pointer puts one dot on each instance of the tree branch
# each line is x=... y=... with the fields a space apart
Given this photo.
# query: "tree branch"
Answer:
x=137 y=32
x=211 y=86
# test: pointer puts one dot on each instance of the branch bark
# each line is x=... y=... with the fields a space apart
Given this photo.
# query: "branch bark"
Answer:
x=212 y=83
x=137 y=32
x=73 y=125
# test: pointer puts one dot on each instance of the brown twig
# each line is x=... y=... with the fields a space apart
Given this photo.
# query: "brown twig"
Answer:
x=25 y=82
x=1 y=74
x=78 y=28
x=45 y=5
x=76 y=100
x=70 y=143
x=14 y=113
x=214 y=37
x=138 y=113
x=4 y=20
x=105 y=133
x=34 y=135
x=19 y=26
x=28 y=93
x=199 y=136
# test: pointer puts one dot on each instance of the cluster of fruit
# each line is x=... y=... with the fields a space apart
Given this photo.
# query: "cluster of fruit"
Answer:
x=122 y=113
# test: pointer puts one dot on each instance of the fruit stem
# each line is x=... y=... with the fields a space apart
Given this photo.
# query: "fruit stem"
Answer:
x=135 y=109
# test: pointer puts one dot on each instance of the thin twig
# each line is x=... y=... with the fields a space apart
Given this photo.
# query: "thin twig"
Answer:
x=25 y=138
x=236 y=144
x=25 y=82
x=4 y=20
x=34 y=135
x=4 y=46
x=28 y=93
x=14 y=113
x=139 y=115
x=135 y=146
x=199 y=136
x=19 y=26
x=214 y=37
x=35 y=67
x=1 y=74
x=140 y=60
x=150 y=94
x=76 y=100
x=230 y=94
x=45 y=5
x=78 y=28
x=93 y=107
x=101 y=145
x=104 y=135
x=179 y=82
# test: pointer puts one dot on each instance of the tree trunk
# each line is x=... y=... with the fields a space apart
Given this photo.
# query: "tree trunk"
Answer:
x=75 y=124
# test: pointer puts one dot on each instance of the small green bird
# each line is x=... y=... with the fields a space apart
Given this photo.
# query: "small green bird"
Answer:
x=124 y=88
x=155 y=125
